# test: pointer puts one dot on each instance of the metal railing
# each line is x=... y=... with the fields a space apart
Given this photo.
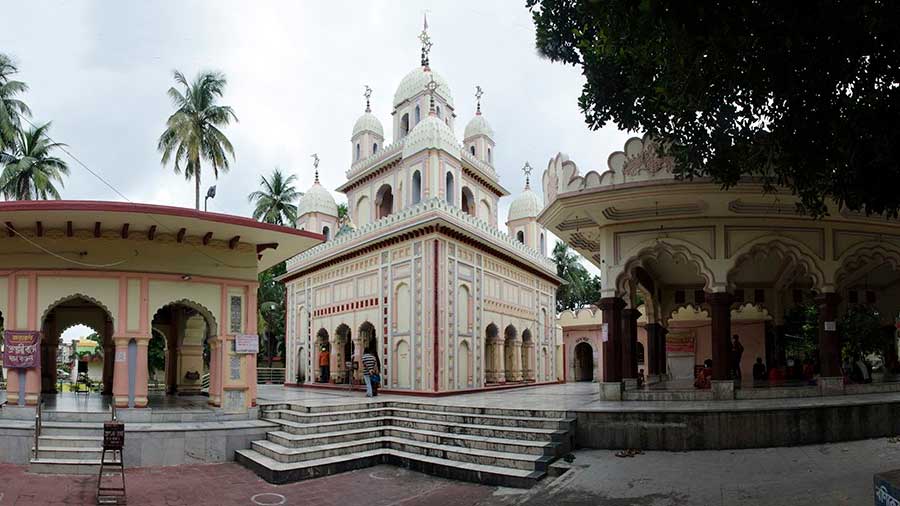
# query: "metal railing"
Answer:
x=38 y=414
x=270 y=375
x=112 y=410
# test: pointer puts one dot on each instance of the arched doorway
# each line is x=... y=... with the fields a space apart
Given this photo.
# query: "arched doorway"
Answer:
x=527 y=356
x=369 y=344
x=510 y=357
x=184 y=355
x=467 y=201
x=463 y=370
x=491 y=358
x=85 y=326
x=401 y=365
x=384 y=201
x=584 y=362
x=322 y=345
x=344 y=345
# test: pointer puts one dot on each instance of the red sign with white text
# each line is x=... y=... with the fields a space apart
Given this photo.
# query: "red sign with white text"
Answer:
x=21 y=349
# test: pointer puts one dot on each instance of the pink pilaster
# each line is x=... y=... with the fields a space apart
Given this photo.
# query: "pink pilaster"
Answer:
x=251 y=327
x=120 y=371
x=142 y=376
x=215 y=371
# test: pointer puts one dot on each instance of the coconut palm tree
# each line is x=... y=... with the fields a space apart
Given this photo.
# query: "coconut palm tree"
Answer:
x=30 y=168
x=275 y=202
x=11 y=108
x=193 y=132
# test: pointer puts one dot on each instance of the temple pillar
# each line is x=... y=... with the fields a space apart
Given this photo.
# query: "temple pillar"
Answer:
x=831 y=380
x=611 y=342
x=48 y=359
x=359 y=347
x=528 y=361
x=109 y=354
x=215 y=371
x=629 y=346
x=121 y=382
x=653 y=334
x=720 y=309
x=500 y=358
x=518 y=374
x=142 y=372
x=663 y=364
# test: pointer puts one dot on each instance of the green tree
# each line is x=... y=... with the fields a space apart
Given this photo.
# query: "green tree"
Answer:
x=11 y=108
x=275 y=203
x=156 y=353
x=581 y=288
x=801 y=331
x=801 y=97
x=343 y=211
x=192 y=133
x=271 y=311
x=860 y=329
x=31 y=171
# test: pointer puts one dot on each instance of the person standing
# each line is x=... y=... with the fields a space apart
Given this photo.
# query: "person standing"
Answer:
x=324 y=361
x=370 y=370
x=759 y=371
x=737 y=351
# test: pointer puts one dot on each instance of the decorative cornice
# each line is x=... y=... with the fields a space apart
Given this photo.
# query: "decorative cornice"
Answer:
x=611 y=213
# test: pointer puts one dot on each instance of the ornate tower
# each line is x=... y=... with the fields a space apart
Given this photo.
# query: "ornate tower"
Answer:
x=522 y=220
x=317 y=210
x=478 y=138
x=368 y=134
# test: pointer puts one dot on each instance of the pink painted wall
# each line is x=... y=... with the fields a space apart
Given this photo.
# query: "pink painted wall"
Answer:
x=752 y=334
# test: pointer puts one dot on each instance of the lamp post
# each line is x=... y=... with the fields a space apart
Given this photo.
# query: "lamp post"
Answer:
x=210 y=194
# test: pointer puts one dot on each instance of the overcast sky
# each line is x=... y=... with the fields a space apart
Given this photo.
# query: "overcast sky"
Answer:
x=296 y=70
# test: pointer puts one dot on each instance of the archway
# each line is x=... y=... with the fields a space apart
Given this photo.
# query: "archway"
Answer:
x=584 y=362
x=467 y=202
x=368 y=341
x=185 y=326
x=91 y=347
x=323 y=352
x=450 y=189
x=463 y=365
x=511 y=366
x=362 y=211
x=416 y=187
x=401 y=367
x=384 y=201
x=527 y=356
x=492 y=372
x=345 y=348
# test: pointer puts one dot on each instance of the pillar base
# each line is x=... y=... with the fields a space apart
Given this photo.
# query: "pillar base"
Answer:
x=629 y=384
x=831 y=385
x=723 y=390
x=611 y=391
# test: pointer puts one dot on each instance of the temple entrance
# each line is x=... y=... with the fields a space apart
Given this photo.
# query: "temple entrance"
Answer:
x=86 y=363
x=178 y=353
x=584 y=362
x=509 y=348
x=322 y=345
x=345 y=348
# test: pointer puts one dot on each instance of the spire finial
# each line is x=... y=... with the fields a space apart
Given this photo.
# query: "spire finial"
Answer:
x=527 y=170
x=367 y=94
x=315 y=157
x=431 y=87
x=478 y=94
x=426 y=42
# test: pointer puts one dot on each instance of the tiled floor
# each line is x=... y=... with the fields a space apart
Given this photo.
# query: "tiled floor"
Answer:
x=100 y=403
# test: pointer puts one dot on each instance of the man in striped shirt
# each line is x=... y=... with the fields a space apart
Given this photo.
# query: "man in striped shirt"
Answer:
x=370 y=369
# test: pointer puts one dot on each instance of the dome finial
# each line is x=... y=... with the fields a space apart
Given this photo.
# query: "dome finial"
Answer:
x=431 y=86
x=315 y=157
x=527 y=170
x=478 y=94
x=367 y=94
x=426 y=42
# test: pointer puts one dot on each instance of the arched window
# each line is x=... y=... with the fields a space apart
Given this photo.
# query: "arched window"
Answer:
x=484 y=210
x=416 y=187
x=362 y=210
x=357 y=151
x=418 y=115
x=472 y=149
x=543 y=245
x=520 y=236
x=467 y=201
x=374 y=148
x=326 y=232
x=449 y=188
x=384 y=201
x=489 y=156
x=404 y=125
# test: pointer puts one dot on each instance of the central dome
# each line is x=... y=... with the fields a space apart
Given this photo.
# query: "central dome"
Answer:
x=317 y=200
x=414 y=83
x=368 y=123
x=526 y=205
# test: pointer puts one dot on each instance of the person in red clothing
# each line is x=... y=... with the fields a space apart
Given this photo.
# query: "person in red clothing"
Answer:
x=776 y=374
x=324 y=364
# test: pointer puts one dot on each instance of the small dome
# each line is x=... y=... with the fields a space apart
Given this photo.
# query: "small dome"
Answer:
x=368 y=123
x=317 y=200
x=478 y=126
x=526 y=205
x=414 y=83
x=431 y=132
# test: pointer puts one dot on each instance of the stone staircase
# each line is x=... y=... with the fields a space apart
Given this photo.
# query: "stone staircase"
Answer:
x=484 y=445
x=70 y=443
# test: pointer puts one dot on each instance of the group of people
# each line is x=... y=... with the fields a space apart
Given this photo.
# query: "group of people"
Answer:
x=703 y=379
x=371 y=372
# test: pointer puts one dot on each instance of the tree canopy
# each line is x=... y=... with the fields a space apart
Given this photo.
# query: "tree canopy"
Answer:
x=800 y=95
x=276 y=200
x=581 y=289
x=30 y=171
x=11 y=107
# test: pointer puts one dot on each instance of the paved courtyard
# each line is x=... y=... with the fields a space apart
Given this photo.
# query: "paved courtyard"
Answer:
x=822 y=475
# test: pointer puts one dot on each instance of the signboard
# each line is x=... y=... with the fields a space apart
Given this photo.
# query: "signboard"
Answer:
x=236 y=313
x=121 y=356
x=679 y=343
x=830 y=326
x=604 y=332
x=21 y=349
x=246 y=343
x=113 y=435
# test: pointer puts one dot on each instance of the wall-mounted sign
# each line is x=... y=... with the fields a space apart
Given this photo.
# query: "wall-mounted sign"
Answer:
x=121 y=356
x=236 y=314
x=21 y=349
x=679 y=343
x=246 y=343
x=830 y=326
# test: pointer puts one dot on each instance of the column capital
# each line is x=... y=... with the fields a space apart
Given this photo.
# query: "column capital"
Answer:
x=611 y=303
x=124 y=340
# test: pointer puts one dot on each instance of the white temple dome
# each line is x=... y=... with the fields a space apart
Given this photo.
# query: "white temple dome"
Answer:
x=526 y=205
x=368 y=122
x=414 y=83
x=430 y=133
x=317 y=200
x=478 y=126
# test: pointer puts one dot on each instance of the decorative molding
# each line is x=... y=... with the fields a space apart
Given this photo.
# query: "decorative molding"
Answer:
x=612 y=213
x=740 y=206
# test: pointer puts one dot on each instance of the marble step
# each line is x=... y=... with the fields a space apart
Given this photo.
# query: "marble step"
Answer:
x=426 y=436
x=455 y=453
x=531 y=434
x=72 y=429
x=65 y=466
x=280 y=472
x=76 y=416
x=326 y=408
x=71 y=441
x=69 y=453
x=528 y=413
x=423 y=414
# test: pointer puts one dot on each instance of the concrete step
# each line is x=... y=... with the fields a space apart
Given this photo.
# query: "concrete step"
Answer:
x=288 y=454
x=65 y=466
x=424 y=414
x=69 y=453
x=75 y=416
x=528 y=413
x=280 y=472
x=460 y=440
x=71 y=441
x=92 y=429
